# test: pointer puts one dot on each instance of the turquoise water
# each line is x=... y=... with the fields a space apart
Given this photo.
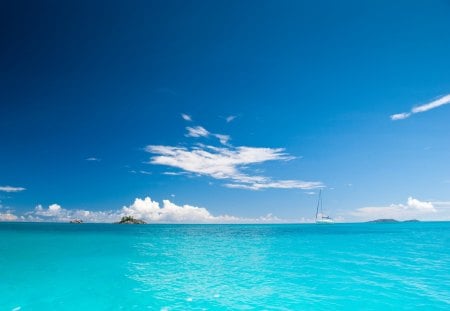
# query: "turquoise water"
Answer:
x=224 y=267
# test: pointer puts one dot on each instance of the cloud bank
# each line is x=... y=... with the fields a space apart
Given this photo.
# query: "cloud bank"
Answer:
x=413 y=209
x=145 y=209
x=8 y=216
x=431 y=105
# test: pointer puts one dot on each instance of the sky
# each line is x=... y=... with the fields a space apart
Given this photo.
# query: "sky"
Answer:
x=224 y=111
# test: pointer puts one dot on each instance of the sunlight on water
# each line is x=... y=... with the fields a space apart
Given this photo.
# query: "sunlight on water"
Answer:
x=216 y=267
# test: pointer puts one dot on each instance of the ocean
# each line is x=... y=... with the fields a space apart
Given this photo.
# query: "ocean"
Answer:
x=366 y=266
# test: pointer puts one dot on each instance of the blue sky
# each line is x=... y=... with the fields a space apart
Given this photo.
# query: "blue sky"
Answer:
x=103 y=103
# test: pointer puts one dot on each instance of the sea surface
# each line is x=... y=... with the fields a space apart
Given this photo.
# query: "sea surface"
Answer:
x=399 y=266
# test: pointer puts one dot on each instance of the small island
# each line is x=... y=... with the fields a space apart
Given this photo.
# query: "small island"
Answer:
x=131 y=221
x=389 y=220
x=384 y=220
x=76 y=221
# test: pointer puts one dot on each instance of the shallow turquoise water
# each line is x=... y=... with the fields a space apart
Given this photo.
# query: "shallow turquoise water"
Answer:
x=224 y=267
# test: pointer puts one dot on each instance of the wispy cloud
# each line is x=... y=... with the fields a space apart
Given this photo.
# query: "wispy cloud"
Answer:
x=145 y=172
x=175 y=173
x=186 y=117
x=227 y=163
x=200 y=131
x=230 y=118
x=223 y=138
x=431 y=105
x=11 y=189
x=197 y=131
x=93 y=159
x=280 y=184
x=400 y=116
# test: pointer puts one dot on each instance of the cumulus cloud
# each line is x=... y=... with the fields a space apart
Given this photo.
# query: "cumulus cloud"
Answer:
x=413 y=209
x=186 y=117
x=11 y=189
x=56 y=213
x=152 y=212
x=52 y=210
x=145 y=209
x=8 y=216
x=226 y=163
x=422 y=108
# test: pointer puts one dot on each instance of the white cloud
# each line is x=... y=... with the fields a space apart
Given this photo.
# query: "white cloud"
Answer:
x=93 y=159
x=145 y=209
x=281 y=184
x=151 y=211
x=400 y=116
x=230 y=118
x=186 y=117
x=169 y=212
x=145 y=172
x=175 y=173
x=226 y=163
x=11 y=189
x=223 y=138
x=52 y=210
x=431 y=105
x=420 y=205
x=197 y=131
x=8 y=216
x=413 y=209
x=56 y=213
x=200 y=131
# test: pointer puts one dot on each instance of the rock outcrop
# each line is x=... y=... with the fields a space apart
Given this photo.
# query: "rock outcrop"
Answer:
x=131 y=221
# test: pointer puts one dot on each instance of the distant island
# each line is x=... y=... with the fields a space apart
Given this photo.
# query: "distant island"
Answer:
x=76 y=221
x=131 y=221
x=390 y=220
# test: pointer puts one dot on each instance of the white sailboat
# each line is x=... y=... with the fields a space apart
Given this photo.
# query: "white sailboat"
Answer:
x=321 y=218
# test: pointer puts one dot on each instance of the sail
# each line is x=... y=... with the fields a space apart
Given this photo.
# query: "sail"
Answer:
x=321 y=218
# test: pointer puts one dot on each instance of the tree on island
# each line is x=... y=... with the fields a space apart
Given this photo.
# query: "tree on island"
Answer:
x=131 y=220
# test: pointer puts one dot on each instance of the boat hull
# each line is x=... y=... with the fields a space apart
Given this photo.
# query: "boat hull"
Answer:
x=324 y=221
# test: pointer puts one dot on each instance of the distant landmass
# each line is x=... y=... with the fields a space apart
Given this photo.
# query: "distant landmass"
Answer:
x=131 y=221
x=76 y=221
x=390 y=220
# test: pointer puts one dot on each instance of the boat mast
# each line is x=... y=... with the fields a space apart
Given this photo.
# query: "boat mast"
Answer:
x=319 y=204
x=321 y=207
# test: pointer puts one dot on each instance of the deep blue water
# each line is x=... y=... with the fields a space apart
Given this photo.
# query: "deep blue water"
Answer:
x=401 y=266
